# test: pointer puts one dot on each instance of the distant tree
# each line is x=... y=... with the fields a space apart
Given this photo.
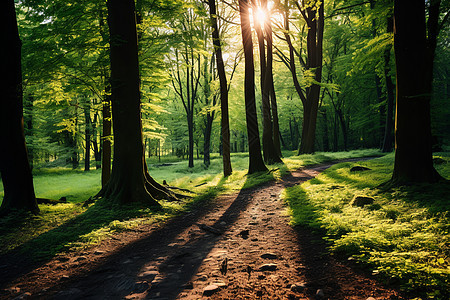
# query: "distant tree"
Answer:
x=224 y=122
x=130 y=181
x=14 y=166
x=256 y=163
x=414 y=46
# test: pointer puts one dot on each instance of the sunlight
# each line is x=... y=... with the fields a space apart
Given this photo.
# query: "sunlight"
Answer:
x=261 y=16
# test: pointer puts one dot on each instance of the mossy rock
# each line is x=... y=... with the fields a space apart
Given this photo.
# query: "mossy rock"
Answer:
x=361 y=201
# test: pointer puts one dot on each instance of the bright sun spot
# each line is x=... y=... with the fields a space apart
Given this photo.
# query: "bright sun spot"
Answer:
x=260 y=15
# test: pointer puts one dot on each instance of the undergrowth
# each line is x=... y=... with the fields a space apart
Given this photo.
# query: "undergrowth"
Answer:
x=403 y=236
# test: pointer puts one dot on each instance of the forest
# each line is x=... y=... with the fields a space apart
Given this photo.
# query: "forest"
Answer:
x=232 y=149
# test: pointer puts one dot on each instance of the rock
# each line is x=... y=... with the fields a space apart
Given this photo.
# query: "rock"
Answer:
x=219 y=283
x=151 y=274
x=320 y=294
x=65 y=277
x=268 y=267
x=298 y=287
x=269 y=256
x=361 y=201
x=359 y=169
x=210 y=289
x=99 y=252
x=370 y=298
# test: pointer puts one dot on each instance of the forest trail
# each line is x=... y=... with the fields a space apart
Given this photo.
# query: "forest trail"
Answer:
x=237 y=246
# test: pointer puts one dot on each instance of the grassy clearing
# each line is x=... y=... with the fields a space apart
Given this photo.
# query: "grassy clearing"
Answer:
x=403 y=236
x=70 y=226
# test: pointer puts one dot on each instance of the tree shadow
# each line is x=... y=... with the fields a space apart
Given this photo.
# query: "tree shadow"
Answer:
x=177 y=260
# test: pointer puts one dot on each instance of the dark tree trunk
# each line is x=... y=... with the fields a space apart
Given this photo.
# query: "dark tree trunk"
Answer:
x=14 y=166
x=95 y=146
x=87 y=135
x=130 y=181
x=310 y=98
x=106 y=139
x=269 y=151
x=224 y=121
x=414 y=55
x=256 y=163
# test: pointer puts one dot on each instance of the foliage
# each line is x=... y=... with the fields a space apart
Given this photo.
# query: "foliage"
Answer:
x=402 y=236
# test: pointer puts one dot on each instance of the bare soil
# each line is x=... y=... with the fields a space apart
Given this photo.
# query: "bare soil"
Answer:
x=237 y=246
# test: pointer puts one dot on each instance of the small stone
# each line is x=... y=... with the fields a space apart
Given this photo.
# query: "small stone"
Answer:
x=269 y=256
x=320 y=294
x=210 y=289
x=359 y=169
x=99 y=252
x=298 y=287
x=370 y=298
x=149 y=274
x=268 y=267
x=219 y=283
x=65 y=277
x=361 y=201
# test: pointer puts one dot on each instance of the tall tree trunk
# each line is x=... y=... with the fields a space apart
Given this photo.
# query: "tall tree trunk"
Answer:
x=130 y=181
x=388 y=140
x=95 y=145
x=414 y=55
x=270 y=153
x=256 y=163
x=87 y=135
x=106 y=138
x=224 y=121
x=14 y=166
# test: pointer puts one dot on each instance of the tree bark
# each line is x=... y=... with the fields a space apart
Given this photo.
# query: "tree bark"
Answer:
x=256 y=163
x=130 y=181
x=224 y=121
x=414 y=55
x=106 y=138
x=14 y=166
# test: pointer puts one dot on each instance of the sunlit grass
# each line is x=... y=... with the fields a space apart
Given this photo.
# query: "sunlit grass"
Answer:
x=403 y=236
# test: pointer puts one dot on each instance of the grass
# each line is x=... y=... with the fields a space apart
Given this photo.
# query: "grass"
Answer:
x=403 y=236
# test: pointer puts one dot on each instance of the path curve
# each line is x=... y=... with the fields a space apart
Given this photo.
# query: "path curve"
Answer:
x=238 y=246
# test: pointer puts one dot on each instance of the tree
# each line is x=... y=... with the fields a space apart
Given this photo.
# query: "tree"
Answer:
x=264 y=33
x=224 y=121
x=14 y=166
x=414 y=47
x=313 y=14
x=256 y=163
x=130 y=181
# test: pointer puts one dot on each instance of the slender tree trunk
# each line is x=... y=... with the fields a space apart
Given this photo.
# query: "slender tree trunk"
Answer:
x=95 y=144
x=106 y=138
x=256 y=163
x=87 y=135
x=414 y=55
x=14 y=166
x=224 y=121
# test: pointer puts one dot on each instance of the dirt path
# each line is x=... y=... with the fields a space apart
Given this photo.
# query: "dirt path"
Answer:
x=237 y=247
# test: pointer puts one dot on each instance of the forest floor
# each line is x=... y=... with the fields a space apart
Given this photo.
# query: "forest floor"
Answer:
x=237 y=246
